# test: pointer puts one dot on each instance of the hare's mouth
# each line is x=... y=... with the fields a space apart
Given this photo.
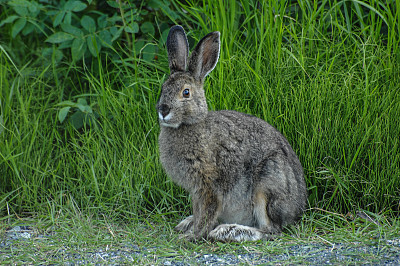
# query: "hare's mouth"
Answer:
x=166 y=121
x=166 y=124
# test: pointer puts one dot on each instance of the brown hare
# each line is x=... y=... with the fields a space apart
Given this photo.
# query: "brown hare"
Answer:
x=245 y=180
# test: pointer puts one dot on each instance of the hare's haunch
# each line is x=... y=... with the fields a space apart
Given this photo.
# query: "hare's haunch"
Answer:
x=245 y=180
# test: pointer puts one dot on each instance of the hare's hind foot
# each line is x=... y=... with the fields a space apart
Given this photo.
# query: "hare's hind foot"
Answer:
x=236 y=233
x=185 y=226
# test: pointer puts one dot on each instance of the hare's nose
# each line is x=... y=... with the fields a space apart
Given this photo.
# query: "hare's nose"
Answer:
x=164 y=110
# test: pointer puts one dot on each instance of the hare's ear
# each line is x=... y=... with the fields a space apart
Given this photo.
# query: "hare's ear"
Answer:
x=205 y=56
x=178 y=49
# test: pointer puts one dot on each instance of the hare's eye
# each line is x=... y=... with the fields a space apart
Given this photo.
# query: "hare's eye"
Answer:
x=186 y=93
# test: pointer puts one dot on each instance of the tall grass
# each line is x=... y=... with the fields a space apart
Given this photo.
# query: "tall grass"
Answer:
x=325 y=74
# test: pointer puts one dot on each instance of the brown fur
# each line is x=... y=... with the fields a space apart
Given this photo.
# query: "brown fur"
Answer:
x=244 y=178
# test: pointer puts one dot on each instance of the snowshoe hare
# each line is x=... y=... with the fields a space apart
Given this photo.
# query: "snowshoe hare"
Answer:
x=245 y=180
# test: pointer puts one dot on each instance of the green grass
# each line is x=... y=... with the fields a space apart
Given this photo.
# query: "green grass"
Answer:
x=76 y=237
x=326 y=75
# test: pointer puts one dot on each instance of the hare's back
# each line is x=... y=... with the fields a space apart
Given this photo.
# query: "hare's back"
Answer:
x=249 y=137
x=245 y=127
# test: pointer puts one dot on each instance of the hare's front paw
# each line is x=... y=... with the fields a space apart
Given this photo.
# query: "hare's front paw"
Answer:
x=185 y=226
x=235 y=233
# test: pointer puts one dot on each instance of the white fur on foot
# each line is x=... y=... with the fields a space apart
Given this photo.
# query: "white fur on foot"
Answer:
x=186 y=225
x=235 y=233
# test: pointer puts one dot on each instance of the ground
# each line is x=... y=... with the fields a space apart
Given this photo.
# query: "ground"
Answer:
x=32 y=241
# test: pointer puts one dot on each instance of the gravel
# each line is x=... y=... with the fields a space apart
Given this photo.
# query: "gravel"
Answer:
x=386 y=253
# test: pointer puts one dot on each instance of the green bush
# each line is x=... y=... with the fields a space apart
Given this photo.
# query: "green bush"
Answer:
x=80 y=28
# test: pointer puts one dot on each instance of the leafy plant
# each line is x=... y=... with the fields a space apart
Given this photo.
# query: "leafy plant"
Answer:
x=82 y=113
x=25 y=18
x=81 y=27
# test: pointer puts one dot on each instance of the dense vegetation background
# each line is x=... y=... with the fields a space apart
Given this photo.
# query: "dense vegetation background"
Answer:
x=79 y=81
